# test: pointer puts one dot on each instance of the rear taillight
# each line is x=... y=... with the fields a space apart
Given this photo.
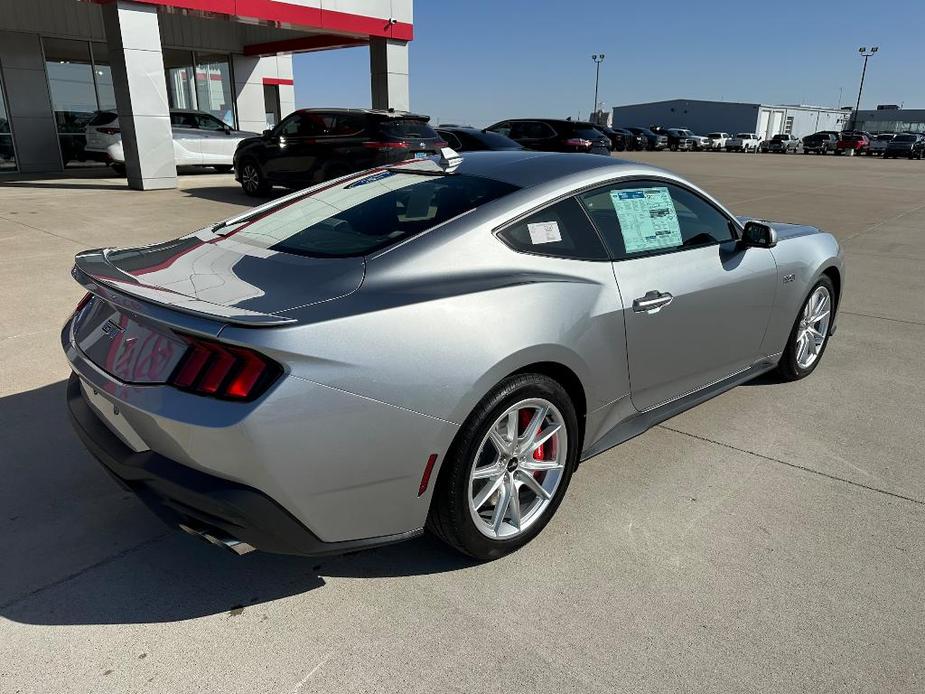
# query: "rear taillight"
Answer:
x=223 y=371
x=385 y=146
x=578 y=143
x=108 y=131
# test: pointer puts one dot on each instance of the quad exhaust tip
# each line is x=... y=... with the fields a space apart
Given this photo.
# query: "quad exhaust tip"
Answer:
x=231 y=544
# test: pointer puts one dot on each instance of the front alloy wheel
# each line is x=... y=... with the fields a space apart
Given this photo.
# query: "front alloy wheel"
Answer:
x=810 y=333
x=252 y=180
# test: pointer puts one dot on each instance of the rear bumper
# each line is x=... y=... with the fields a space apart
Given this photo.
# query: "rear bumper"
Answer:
x=181 y=495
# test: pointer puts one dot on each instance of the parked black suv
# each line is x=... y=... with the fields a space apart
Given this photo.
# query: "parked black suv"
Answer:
x=820 y=143
x=653 y=142
x=905 y=145
x=314 y=145
x=464 y=139
x=554 y=135
x=622 y=139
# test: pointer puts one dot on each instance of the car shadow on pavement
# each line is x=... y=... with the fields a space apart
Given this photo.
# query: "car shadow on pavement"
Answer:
x=78 y=549
x=232 y=194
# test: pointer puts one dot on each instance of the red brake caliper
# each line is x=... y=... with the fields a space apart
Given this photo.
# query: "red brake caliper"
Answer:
x=524 y=418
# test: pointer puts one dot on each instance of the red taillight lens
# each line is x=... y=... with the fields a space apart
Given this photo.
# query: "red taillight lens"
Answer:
x=222 y=371
x=385 y=146
x=108 y=131
x=578 y=142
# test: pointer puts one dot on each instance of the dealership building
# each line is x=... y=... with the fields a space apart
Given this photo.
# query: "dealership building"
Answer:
x=63 y=60
x=732 y=117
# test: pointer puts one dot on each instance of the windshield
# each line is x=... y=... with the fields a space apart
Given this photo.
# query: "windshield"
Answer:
x=102 y=118
x=886 y=137
x=365 y=214
x=408 y=127
x=778 y=138
x=904 y=138
x=744 y=136
x=715 y=135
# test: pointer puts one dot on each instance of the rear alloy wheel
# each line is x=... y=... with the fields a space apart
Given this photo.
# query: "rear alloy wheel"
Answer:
x=810 y=333
x=508 y=470
x=252 y=180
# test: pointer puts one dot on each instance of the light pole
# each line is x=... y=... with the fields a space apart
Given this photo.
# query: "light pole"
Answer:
x=598 y=59
x=864 y=52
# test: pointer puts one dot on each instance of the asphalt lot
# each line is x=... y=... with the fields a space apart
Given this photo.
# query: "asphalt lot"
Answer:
x=772 y=539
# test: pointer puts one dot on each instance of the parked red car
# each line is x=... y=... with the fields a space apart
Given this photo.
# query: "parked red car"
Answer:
x=852 y=143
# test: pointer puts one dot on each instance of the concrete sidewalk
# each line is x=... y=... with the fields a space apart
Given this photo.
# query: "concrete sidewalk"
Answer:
x=772 y=539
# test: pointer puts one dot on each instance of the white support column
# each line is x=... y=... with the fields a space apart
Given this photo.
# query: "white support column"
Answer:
x=388 y=67
x=137 y=65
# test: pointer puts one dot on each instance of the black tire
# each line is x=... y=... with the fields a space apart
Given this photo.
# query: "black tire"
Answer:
x=253 y=181
x=223 y=168
x=787 y=368
x=118 y=167
x=450 y=518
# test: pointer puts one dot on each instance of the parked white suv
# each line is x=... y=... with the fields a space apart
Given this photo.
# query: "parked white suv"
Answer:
x=718 y=140
x=199 y=139
x=743 y=142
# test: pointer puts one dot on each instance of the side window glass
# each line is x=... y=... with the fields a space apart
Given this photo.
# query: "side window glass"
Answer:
x=646 y=217
x=183 y=120
x=205 y=122
x=561 y=230
x=348 y=124
x=502 y=129
x=290 y=127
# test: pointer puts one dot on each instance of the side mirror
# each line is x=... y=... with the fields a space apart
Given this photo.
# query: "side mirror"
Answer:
x=759 y=235
x=267 y=133
x=227 y=130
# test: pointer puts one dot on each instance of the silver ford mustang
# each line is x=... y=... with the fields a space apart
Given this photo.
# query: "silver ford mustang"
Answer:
x=434 y=344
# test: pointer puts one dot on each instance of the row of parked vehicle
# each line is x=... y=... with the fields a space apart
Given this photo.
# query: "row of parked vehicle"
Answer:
x=314 y=145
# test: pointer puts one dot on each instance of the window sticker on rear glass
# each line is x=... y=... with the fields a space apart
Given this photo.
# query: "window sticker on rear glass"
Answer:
x=648 y=220
x=370 y=179
x=544 y=232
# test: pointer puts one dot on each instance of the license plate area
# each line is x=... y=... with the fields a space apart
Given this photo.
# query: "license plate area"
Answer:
x=126 y=346
x=110 y=415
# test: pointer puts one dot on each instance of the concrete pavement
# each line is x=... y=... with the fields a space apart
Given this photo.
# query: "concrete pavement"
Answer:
x=772 y=539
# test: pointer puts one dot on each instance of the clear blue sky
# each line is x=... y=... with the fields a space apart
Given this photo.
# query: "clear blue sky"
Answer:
x=478 y=61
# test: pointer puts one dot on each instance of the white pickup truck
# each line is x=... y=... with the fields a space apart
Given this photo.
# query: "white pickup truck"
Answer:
x=743 y=142
x=718 y=140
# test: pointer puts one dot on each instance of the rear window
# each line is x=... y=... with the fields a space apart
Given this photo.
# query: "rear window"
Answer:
x=103 y=118
x=366 y=214
x=744 y=136
x=882 y=138
x=851 y=138
x=904 y=138
x=407 y=127
x=715 y=135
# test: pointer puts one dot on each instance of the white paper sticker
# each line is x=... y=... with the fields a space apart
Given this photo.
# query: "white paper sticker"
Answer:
x=648 y=220
x=544 y=232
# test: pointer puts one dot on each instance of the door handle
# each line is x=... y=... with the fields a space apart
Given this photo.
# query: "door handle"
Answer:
x=652 y=302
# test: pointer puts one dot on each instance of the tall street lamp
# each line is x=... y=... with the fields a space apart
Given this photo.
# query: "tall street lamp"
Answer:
x=864 y=52
x=598 y=59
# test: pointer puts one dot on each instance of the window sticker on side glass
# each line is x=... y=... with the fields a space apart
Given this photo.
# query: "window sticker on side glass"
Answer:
x=648 y=220
x=544 y=232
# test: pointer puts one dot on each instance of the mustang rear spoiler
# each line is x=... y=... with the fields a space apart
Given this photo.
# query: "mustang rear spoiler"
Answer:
x=98 y=276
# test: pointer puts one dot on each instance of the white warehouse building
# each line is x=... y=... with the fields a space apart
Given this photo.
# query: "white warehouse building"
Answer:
x=732 y=117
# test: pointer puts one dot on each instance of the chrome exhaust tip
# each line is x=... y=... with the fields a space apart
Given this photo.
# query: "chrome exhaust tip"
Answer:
x=231 y=544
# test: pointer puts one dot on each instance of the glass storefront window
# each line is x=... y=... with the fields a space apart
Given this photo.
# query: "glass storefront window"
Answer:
x=73 y=94
x=213 y=87
x=181 y=82
x=7 y=154
x=104 y=90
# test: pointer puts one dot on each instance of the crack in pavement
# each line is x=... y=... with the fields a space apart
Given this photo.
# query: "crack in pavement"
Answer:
x=102 y=562
x=796 y=466
x=871 y=315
